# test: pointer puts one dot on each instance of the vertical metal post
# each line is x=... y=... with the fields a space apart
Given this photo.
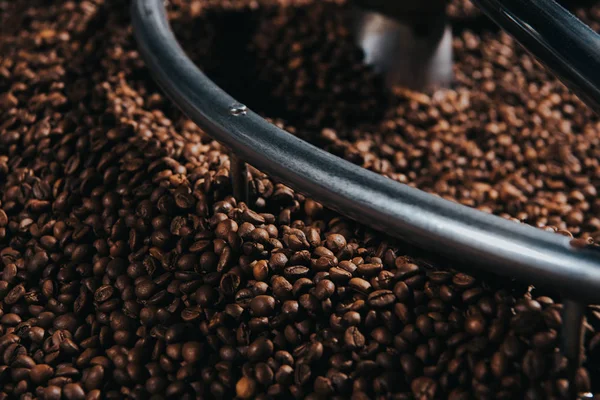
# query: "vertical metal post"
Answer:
x=239 y=178
x=572 y=340
x=410 y=43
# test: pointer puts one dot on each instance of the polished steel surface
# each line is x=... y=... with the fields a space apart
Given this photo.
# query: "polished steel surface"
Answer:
x=418 y=57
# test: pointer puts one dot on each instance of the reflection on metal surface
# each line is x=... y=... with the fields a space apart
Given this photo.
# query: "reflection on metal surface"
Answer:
x=417 y=57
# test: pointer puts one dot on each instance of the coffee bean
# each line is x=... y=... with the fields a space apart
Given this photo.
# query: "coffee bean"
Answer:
x=130 y=271
x=475 y=325
x=498 y=364
x=262 y=306
x=339 y=275
x=192 y=351
x=335 y=242
x=156 y=384
x=14 y=295
x=424 y=388
x=229 y=284
x=324 y=289
x=245 y=388
x=353 y=338
x=52 y=392
x=534 y=365
x=463 y=281
x=369 y=270
x=295 y=272
x=103 y=293
x=381 y=298
x=264 y=374
x=41 y=373
x=73 y=391
x=95 y=378
x=260 y=349
x=302 y=374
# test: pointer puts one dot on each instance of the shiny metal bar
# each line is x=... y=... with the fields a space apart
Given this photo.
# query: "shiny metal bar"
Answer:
x=466 y=235
x=564 y=44
x=239 y=179
x=572 y=340
x=416 y=54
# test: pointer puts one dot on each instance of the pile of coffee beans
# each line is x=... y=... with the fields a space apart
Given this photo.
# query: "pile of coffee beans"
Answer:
x=129 y=271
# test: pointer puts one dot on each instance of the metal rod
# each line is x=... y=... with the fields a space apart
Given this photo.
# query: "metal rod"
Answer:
x=415 y=56
x=466 y=235
x=572 y=340
x=239 y=179
x=564 y=44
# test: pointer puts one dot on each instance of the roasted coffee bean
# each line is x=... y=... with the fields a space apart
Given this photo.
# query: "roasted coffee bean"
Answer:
x=360 y=285
x=262 y=306
x=353 y=338
x=129 y=270
x=381 y=298
x=335 y=242
x=40 y=374
x=73 y=391
x=475 y=325
x=424 y=388
x=192 y=351
x=260 y=349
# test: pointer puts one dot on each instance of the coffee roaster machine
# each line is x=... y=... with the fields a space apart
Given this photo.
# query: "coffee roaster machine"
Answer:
x=410 y=45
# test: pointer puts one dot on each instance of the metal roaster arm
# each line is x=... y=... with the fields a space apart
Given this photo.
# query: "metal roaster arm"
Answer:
x=491 y=243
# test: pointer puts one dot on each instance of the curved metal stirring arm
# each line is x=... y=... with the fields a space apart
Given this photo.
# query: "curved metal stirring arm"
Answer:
x=491 y=243
x=495 y=245
x=563 y=43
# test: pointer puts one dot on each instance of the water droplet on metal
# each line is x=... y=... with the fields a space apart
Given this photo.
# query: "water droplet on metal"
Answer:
x=238 y=110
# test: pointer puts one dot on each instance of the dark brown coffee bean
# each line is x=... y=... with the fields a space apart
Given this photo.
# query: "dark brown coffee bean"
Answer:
x=73 y=391
x=475 y=325
x=424 y=388
x=245 y=388
x=302 y=374
x=14 y=295
x=192 y=352
x=463 y=281
x=103 y=293
x=545 y=340
x=40 y=374
x=498 y=364
x=260 y=270
x=264 y=374
x=262 y=306
x=360 y=285
x=335 y=242
x=353 y=338
x=296 y=272
x=324 y=289
x=206 y=295
x=52 y=392
x=260 y=349
x=534 y=365
x=369 y=270
x=381 y=298
x=230 y=282
x=339 y=275
x=285 y=375
x=156 y=384
x=94 y=378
